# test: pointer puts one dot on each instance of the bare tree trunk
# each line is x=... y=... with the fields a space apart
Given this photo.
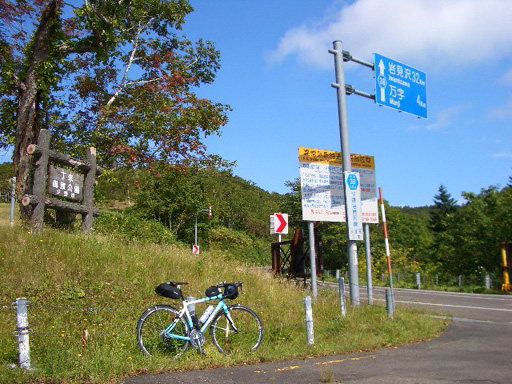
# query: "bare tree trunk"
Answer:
x=27 y=129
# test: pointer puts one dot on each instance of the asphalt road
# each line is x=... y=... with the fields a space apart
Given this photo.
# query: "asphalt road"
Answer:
x=492 y=308
x=476 y=348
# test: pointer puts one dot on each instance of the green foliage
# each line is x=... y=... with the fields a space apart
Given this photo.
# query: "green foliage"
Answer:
x=240 y=245
x=238 y=204
x=6 y=174
x=116 y=186
x=133 y=228
x=172 y=196
x=444 y=206
x=175 y=195
x=472 y=240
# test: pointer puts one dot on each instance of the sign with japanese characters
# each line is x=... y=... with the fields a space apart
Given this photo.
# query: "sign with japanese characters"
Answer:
x=400 y=87
x=353 y=201
x=321 y=177
x=65 y=183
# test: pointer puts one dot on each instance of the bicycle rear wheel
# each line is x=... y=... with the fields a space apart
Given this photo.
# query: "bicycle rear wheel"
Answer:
x=245 y=338
x=151 y=335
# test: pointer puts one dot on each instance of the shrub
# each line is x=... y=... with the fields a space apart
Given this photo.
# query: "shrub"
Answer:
x=239 y=244
x=131 y=227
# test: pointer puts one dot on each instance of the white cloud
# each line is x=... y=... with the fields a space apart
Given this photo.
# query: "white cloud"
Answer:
x=502 y=155
x=424 y=32
x=506 y=78
x=503 y=112
x=444 y=117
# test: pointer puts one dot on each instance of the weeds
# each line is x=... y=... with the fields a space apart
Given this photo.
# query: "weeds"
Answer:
x=99 y=286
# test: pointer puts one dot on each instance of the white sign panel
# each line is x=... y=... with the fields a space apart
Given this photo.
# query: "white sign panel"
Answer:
x=323 y=198
x=279 y=224
x=353 y=201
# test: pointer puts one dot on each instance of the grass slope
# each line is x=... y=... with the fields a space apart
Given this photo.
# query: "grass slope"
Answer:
x=101 y=284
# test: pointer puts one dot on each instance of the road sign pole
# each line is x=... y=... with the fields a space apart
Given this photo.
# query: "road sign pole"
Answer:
x=369 y=279
x=195 y=227
x=347 y=166
x=388 y=252
x=312 y=258
x=195 y=231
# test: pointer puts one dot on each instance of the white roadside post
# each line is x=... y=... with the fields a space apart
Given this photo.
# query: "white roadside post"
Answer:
x=23 y=333
x=309 y=320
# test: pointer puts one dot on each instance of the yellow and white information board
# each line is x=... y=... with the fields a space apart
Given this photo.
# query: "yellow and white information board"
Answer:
x=321 y=179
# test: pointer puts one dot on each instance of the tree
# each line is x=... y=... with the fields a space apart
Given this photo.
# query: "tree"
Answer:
x=170 y=196
x=475 y=231
x=441 y=214
x=444 y=206
x=111 y=74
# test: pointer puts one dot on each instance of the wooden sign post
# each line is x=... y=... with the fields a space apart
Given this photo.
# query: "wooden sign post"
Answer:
x=76 y=185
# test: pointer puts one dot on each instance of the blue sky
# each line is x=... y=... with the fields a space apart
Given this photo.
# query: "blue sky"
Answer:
x=277 y=73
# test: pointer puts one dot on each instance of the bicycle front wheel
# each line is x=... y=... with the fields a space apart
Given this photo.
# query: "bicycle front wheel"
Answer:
x=151 y=332
x=243 y=334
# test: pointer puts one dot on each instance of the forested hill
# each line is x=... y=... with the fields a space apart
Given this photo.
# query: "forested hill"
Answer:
x=444 y=237
x=459 y=239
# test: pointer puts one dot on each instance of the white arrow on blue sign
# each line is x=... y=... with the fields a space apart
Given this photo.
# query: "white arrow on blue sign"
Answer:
x=400 y=87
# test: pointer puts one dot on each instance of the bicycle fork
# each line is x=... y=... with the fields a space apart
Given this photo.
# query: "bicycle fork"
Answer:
x=231 y=322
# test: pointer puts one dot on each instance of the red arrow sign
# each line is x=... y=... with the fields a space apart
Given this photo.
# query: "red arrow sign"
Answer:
x=282 y=223
x=195 y=249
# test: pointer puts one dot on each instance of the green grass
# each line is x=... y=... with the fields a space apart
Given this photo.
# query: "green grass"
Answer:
x=101 y=284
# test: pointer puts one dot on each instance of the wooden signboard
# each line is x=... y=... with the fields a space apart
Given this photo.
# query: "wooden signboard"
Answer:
x=65 y=183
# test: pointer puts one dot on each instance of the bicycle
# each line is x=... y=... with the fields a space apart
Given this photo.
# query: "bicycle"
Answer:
x=163 y=329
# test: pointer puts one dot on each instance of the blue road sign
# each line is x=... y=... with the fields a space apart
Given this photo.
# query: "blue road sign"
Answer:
x=352 y=182
x=400 y=87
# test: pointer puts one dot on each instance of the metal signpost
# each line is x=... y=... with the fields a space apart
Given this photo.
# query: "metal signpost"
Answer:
x=400 y=87
x=347 y=166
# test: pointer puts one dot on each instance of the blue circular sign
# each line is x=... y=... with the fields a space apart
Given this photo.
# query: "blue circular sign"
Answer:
x=352 y=182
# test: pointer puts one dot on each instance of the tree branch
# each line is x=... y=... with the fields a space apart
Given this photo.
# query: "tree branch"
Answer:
x=132 y=58
x=141 y=82
x=128 y=66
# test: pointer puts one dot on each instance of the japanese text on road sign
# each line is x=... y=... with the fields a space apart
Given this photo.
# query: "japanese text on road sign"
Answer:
x=323 y=198
x=400 y=87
